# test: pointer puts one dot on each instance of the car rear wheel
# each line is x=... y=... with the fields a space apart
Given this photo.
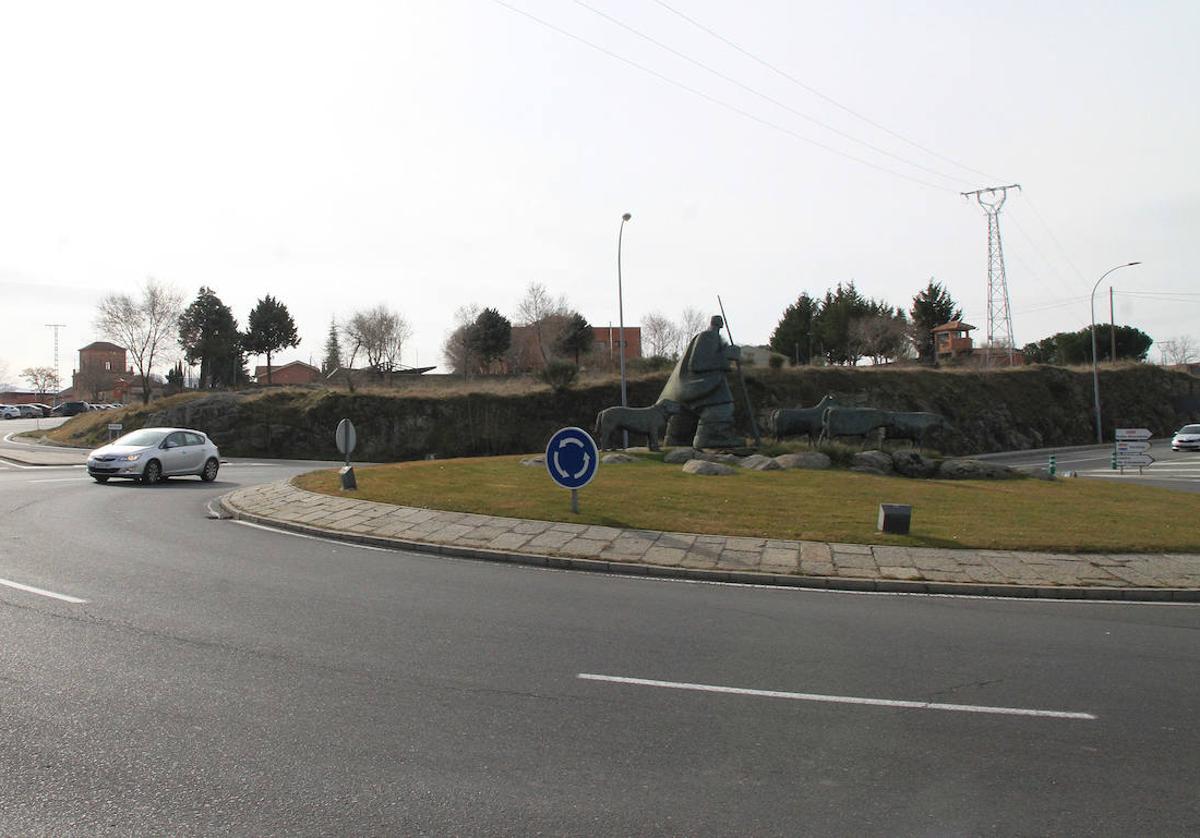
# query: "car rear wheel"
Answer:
x=152 y=473
x=210 y=470
x=100 y=478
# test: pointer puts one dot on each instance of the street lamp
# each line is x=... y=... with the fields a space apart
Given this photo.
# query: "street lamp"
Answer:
x=1095 y=374
x=621 y=317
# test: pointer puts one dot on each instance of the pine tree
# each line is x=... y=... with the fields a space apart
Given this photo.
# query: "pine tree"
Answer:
x=333 y=350
x=931 y=307
x=794 y=335
x=270 y=329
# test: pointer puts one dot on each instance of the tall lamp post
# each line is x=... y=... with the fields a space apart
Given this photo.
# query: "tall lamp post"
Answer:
x=621 y=318
x=1095 y=374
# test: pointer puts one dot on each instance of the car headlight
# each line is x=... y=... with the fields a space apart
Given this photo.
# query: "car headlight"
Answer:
x=131 y=457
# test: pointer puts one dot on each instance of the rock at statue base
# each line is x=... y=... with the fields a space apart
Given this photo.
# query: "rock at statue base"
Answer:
x=973 y=470
x=877 y=460
x=682 y=455
x=617 y=458
x=705 y=467
x=912 y=464
x=759 y=463
x=804 y=459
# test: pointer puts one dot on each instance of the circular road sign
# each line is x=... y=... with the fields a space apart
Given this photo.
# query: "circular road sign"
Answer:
x=572 y=458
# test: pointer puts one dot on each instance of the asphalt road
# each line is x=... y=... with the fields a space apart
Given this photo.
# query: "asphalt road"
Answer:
x=224 y=679
x=1178 y=470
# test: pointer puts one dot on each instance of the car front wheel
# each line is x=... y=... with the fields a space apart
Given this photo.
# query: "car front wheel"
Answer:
x=210 y=470
x=152 y=473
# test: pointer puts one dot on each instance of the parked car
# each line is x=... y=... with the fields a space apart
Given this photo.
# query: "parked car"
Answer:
x=10 y=411
x=29 y=411
x=151 y=455
x=70 y=408
x=44 y=408
x=1186 y=438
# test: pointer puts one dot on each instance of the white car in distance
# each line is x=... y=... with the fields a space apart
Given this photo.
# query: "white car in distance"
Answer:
x=151 y=455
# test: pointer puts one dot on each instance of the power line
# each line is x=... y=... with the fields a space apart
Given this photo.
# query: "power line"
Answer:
x=718 y=102
x=819 y=94
x=764 y=96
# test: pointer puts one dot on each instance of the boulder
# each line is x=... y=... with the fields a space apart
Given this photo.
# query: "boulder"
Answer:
x=758 y=462
x=973 y=470
x=726 y=457
x=616 y=458
x=876 y=460
x=682 y=455
x=804 y=459
x=539 y=460
x=706 y=467
x=913 y=464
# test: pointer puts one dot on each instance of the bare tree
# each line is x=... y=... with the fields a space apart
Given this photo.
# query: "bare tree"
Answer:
x=146 y=326
x=691 y=323
x=381 y=334
x=41 y=379
x=659 y=335
x=879 y=337
x=546 y=314
x=1178 y=350
x=456 y=349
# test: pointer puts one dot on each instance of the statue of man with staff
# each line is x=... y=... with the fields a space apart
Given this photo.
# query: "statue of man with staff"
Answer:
x=698 y=384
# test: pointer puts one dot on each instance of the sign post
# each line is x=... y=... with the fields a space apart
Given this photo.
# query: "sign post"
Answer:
x=113 y=429
x=572 y=459
x=1130 y=449
x=346 y=439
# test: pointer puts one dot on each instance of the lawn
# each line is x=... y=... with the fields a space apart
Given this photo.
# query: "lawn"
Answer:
x=1073 y=515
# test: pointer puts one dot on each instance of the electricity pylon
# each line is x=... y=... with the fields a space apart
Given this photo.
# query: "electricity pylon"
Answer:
x=999 y=312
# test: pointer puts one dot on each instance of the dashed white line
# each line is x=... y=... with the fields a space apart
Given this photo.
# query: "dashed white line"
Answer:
x=841 y=699
x=29 y=589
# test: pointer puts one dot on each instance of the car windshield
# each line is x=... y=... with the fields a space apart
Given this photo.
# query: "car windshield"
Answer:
x=1190 y=429
x=142 y=438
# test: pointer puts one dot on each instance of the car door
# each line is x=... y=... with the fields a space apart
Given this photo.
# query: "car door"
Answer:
x=173 y=453
x=194 y=445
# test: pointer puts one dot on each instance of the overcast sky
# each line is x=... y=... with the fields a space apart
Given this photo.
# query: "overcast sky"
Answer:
x=427 y=155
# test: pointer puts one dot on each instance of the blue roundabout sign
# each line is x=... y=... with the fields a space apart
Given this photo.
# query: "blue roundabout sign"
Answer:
x=572 y=458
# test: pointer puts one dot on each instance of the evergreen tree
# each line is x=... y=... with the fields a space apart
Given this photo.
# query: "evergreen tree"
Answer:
x=795 y=334
x=208 y=335
x=489 y=337
x=1066 y=348
x=270 y=329
x=333 y=350
x=576 y=337
x=931 y=307
x=840 y=308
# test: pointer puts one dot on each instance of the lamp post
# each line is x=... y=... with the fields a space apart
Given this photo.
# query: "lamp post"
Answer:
x=1095 y=374
x=621 y=318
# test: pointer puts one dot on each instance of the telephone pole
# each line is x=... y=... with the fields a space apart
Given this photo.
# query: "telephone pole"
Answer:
x=58 y=382
x=999 y=314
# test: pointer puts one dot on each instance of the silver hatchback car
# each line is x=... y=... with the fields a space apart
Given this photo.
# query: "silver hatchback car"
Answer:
x=151 y=455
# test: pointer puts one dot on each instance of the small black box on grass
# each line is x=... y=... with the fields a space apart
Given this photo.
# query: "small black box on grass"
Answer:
x=894 y=518
x=347 y=475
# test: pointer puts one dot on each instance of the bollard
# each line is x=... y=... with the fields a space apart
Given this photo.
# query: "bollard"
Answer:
x=1113 y=462
x=1052 y=468
x=347 y=475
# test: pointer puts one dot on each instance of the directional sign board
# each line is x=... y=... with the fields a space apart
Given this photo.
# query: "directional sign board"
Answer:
x=1132 y=448
x=345 y=437
x=1132 y=434
x=572 y=458
x=1139 y=460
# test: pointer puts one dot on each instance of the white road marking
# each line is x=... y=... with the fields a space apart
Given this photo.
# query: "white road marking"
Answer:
x=840 y=699
x=41 y=592
x=58 y=480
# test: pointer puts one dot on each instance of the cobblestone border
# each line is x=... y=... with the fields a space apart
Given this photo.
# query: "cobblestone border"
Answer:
x=750 y=577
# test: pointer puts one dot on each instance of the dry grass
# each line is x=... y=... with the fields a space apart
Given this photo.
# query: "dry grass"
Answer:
x=1025 y=514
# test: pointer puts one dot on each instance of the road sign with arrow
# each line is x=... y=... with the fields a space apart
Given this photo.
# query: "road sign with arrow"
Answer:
x=571 y=460
x=1132 y=434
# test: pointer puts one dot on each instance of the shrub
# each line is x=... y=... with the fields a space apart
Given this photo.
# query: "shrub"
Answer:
x=776 y=362
x=653 y=363
x=560 y=375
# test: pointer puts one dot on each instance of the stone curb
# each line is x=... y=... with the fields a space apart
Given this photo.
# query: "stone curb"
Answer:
x=741 y=577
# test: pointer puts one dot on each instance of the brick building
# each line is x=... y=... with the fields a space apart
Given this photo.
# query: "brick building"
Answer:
x=296 y=372
x=102 y=373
